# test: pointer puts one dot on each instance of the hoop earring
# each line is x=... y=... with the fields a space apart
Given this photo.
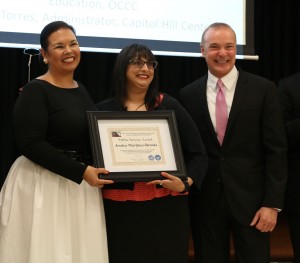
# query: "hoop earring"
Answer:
x=45 y=61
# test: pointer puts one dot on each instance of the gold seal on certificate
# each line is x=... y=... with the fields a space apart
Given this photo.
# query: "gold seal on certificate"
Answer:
x=136 y=146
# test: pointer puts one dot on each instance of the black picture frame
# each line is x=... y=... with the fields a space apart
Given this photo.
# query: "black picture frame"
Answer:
x=99 y=119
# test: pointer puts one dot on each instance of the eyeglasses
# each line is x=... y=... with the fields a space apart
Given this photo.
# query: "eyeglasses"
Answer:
x=140 y=63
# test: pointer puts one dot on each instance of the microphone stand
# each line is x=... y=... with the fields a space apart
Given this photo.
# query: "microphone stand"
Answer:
x=30 y=52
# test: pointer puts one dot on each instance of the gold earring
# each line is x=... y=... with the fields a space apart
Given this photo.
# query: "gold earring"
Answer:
x=45 y=61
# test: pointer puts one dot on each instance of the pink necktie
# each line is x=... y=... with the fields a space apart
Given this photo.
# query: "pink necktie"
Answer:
x=221 y=112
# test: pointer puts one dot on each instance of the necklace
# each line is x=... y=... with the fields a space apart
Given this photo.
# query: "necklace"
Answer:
x=139 y=106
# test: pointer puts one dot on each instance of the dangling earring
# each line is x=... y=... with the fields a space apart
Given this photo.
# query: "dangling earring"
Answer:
x=45 y=61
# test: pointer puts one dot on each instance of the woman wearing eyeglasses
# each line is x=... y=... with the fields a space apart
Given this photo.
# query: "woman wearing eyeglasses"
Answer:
x=149 y=221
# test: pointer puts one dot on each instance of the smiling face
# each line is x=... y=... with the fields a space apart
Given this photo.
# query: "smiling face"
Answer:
x=139 y=78
x=63 y=53
x=219 y=50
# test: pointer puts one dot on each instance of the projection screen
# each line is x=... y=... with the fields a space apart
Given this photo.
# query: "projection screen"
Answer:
x=168 y=27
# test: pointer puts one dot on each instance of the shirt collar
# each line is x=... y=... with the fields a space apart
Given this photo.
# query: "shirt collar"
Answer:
x=228 y=80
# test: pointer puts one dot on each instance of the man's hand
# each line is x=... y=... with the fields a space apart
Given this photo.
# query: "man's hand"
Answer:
x=265 y=219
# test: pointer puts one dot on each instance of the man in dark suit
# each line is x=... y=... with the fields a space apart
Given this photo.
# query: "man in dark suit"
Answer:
x=289 y=89
x=244 y=187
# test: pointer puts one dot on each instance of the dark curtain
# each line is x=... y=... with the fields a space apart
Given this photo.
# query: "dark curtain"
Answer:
x=277 y=36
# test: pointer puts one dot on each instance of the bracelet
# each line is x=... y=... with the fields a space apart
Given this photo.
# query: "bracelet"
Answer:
x=186 y=187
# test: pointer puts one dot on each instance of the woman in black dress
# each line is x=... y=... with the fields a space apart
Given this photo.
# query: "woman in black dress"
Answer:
x=51 y=209
x=149 y=221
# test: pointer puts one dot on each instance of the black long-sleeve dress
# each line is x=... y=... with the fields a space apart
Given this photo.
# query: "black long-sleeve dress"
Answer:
x=47 y=212
x=155 y=230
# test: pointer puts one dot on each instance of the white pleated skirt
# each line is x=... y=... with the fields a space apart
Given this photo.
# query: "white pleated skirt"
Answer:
x=45 y=218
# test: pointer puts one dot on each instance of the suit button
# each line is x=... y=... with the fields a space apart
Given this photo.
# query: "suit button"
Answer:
x=222 y=159
x=218 y=181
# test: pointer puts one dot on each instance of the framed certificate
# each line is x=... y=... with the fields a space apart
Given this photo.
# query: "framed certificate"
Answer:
x=136 y=146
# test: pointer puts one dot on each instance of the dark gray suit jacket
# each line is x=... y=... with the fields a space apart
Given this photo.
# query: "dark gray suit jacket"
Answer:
x=251 y=164
x=290 y=100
